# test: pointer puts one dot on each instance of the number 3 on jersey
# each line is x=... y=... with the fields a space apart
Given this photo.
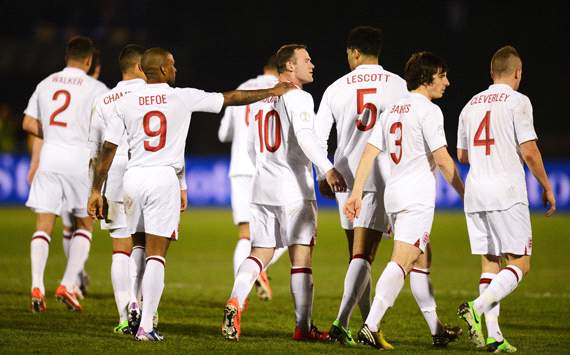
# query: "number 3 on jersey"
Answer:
x=361 y=106
x=159 y=132
x=397 y=127
x=487 y=142
x=263 y=126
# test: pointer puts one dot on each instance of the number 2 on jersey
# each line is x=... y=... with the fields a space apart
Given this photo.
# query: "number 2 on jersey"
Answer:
x=397 y=126
x=487 y=142
x=361 y=106
x=160 y=132
x=52 y=121
x=263 y=130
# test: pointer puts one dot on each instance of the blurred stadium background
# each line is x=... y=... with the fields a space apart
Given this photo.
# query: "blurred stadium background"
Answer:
x=218 y=45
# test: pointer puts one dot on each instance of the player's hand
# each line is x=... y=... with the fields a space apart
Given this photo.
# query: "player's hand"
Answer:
x=325 y=189
x=95 y=205
x=335 y=181
x=282 y=87
x=183 y=200
x=352 y=207
x=548 y=199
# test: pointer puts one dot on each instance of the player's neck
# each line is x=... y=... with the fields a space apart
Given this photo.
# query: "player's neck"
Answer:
x=130 y=76
x=422 y=90
x=505 y=81
x=367 y=61
x=77 y=65
x=288 y=76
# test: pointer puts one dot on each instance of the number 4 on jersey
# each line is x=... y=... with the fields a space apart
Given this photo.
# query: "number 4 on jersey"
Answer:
x=488 y=141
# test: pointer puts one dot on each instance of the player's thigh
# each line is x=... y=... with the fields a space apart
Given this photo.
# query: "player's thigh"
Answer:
x=413 y=226
x=46 y=193
x=366 y=242
x=241 y=197
x=512 y=228
x=76 y=193
x=299 y=222
x=161 y=207
x=265 y=227
x=481 y=238
x=122 y=245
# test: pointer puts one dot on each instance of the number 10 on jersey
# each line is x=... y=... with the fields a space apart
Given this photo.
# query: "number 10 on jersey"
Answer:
x=263 y=126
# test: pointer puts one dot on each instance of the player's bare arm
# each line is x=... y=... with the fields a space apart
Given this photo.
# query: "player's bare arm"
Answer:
x=352 y=206
x=32 y=126
x=95 y=204
x=335 y=180
x=244 y=97
x=448 y=169
x=533 y=159
x=462 y=156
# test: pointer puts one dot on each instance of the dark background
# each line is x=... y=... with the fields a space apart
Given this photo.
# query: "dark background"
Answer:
x=217 y=45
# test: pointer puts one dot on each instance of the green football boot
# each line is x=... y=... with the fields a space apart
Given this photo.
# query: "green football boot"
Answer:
x=340 y=334
x=494 y=346
x=467 y=312
x=123 y=328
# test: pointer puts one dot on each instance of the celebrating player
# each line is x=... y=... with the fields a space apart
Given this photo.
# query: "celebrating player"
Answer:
x=155 y=120
x=283 y=206
x=411 y=131
x=234 y=128
x=495 y=135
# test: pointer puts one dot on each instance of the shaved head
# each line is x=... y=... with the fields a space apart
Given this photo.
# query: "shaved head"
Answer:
x=158 y=65
x=505 y=61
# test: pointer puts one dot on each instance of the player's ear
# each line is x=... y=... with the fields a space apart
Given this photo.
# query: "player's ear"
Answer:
x=88 y=61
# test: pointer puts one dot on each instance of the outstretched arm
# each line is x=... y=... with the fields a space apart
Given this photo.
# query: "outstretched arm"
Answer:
x=244 y=97
x=95 y=204
x=533 y=159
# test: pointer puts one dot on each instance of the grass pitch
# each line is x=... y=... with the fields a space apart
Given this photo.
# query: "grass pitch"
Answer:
x=535 y=318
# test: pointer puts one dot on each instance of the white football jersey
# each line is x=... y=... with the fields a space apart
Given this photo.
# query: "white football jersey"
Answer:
x=354 y=102
x=409 y=131
x=234 y=127
x=491 y=127
x=156 y=119
x=63 y=102
x=280 y=127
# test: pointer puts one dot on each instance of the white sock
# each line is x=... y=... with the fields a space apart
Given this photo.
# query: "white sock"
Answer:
x=78 y=253
x=492 y=315
x=120 y=281
x=152 y=287
x=66 y=242
x=364 y=302
x=39 y=251
x=247 y=274
x=276 y=255
x=136 y=272
x=502 y=285
x=388 y=287
x=302 y=291
x=356 y=279
x=420 y=283
x=242 y=251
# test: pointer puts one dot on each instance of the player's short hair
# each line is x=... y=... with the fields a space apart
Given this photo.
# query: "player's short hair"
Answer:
x=367 y=39
x=95 y=61
x=284 y=54
x=421 y=67
x=153 y=58
x=79 y=48
x=505 y=61
x=271 y=63
x=130 y=56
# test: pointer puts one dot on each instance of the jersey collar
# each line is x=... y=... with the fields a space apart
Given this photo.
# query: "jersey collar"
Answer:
x=499 y=86
x=130 y=82
x=75 y=71
x=369 y=66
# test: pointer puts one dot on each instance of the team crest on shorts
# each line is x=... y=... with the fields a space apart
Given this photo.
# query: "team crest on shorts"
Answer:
x=425 y=238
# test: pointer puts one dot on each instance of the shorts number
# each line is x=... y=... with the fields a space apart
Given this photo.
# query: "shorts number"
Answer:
x=160 y=132
x=52 y=121
x=361 y=106
x=263 y=130
x=397 y=126
x=487 y=142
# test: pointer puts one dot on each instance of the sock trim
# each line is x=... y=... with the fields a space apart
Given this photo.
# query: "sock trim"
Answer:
x=511 y=269
x=362 y=256
x=246 y=238
x=160 y=259
x=301 y=270
x=67 y=235
x=420 y=271
x=484 y=280
x=257 y=261
x=401 y=268
x=41 y=235
x=121 y=252
x=82 y=233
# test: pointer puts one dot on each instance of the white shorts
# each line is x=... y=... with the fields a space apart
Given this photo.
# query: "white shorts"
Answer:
x=283 y=226
x=412 y=226
x=114 y=182
x=500 y=232
x=56 y=193
x=152 y=201
x=241 y=198
x=67 y=219
x=117 y=226
x=372 y=214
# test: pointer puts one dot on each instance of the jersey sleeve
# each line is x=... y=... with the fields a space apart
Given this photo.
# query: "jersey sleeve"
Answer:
x=324 y=121
x=115 y=127
x=523 y=122
x=432 y=129
x=377 y=135
x=462 y=139
x=226 y=130
x=300 y=109
x=96 y=130
x=199 y=100
x=33 y=108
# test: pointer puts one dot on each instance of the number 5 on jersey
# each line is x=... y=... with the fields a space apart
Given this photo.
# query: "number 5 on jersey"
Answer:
x=361 y=106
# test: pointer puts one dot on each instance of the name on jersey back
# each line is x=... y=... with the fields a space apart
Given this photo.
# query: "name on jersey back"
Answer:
x=152 y=100
x=362 y=78
x=490 y=98
x=400 y=109
x=67 y=80
x=114 y=97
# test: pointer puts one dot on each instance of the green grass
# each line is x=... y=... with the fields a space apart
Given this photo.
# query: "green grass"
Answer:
x=535 y=318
